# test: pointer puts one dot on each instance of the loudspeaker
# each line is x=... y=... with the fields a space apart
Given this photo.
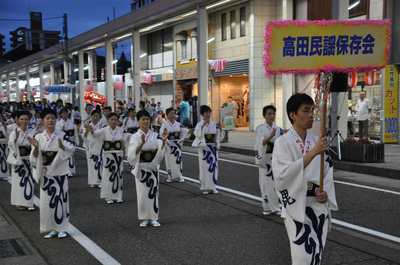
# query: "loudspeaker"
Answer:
x=339 y=82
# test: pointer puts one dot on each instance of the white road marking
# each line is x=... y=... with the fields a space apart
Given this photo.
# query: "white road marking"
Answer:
x=97 y=252
x=367 y=187
x=335 y=221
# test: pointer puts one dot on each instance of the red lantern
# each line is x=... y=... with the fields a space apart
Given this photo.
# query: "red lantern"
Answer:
x=352 y=79
x=370 y=78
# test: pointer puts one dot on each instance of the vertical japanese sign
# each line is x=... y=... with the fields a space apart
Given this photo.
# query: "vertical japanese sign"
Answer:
x=229 y=118
x=391 y=103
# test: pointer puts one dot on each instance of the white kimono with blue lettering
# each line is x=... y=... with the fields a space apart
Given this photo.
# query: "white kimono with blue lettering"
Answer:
x=208 y=155
x=93 y=155
x=263 y=160
x=23 y=184
x=69 y=125
x=173 y=150
x=306 y=220
x=146 y=174
x=4 y=166
x=53 y=179
x=112 y=172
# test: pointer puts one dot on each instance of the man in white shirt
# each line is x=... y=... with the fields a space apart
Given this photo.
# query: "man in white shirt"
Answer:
x=363 y=112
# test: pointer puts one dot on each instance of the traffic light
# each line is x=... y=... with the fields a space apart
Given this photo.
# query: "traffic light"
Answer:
x=17 y=36
x=2 y=43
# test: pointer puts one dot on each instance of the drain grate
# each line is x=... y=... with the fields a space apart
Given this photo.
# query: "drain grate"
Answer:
x=13 y=248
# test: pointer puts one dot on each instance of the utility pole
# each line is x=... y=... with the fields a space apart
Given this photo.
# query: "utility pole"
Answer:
x=70 y=61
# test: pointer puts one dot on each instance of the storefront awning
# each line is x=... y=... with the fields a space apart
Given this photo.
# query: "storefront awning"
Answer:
x=59 y=88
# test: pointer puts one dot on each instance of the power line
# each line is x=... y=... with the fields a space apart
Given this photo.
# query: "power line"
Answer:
x=10 y=19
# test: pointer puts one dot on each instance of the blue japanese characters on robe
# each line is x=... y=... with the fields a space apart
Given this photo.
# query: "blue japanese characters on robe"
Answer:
x=58 y=197
x=113 y=166
x=176 y=150
x=210 y=157
x=328 y=158
x=150 y=178
x=26 y=182
x=97 y=160
x=286 y=199
x=307 y=235
x=3 y=158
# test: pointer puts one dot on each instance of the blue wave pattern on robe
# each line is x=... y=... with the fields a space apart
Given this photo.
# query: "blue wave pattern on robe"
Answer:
x=97 y=160
x=211 y=159
x=59 y=197
x=310 y=245
x=3 y=158
x=151 y=181
x=71 y=160
x=25 y=173
x=176 y=151
x=116 y=175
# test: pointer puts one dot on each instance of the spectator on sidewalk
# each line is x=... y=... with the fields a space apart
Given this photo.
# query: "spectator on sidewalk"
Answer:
x=363 y=113
x=267 y=133
x=184 y=112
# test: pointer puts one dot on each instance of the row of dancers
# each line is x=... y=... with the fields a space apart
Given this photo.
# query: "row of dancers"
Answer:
x=47 y=158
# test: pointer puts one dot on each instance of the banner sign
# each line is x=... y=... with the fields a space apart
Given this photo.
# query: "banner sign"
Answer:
x=300 y=47
x=58 y=89
x=93 y=97
x=229 y=118
x=391 y=103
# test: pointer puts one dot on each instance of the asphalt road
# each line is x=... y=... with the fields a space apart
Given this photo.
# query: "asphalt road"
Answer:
x=224 y=228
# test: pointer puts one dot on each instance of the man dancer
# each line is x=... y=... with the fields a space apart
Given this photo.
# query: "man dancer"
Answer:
x=296 y=168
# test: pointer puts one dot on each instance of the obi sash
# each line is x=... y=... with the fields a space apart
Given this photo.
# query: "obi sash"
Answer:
x=270 y=147
x=174 y=136
x=311 y=188
x=147 y=156
x=48 y=157
x=112 y=145
x=210 y=138
x=24 y=150
x=70 y=132
x=132 y=130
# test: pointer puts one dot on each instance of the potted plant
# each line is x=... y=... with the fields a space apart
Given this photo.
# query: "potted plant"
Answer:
x=364 y=151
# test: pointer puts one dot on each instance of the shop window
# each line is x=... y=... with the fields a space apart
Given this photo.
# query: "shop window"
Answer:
x=233 y=24
x=223 y=26
x=242 y=22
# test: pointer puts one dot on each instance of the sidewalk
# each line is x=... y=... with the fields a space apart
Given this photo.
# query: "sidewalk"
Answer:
x=242 y=141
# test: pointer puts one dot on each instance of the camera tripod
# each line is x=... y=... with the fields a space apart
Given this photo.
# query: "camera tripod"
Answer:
x=338 y=136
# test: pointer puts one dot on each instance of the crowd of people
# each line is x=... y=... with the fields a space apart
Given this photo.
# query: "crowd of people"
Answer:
x=37 y=147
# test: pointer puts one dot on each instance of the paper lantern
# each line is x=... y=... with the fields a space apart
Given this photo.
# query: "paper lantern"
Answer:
x=370 y=78
x=352 y=79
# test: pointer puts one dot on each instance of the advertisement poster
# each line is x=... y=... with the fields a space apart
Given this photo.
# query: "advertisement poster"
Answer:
x=391 y=104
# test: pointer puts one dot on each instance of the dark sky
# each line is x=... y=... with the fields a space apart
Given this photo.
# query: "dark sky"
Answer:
x=82 y=15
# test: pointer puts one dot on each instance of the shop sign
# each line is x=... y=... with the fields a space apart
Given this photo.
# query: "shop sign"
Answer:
x=391 y=104
x=229 y=118
x=94 y=97
x=58 y=89
x=299 y=47
x=237 y=94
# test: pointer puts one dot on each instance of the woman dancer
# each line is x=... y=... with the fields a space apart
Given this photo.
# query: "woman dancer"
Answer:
x=173 y=153
x=22 y=188
x=207 y=141
x=68 y=126
x=145 y=154
x=49 y=159
x=267 y=133
x=93 y=151
x=130 y=123
x=113 y=138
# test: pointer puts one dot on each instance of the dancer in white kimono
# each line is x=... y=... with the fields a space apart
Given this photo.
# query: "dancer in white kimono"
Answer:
x=296 y=163
x=86 y=115
x=5 y=131
x=23 y=184
x=104 y=120
x=146 y=150
x=69 y=127
x=93 y=151
x=49 y=160
x=130 y=123
x=267 y=133
x=207 y=141
x=173 y=150
x=113 y=138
